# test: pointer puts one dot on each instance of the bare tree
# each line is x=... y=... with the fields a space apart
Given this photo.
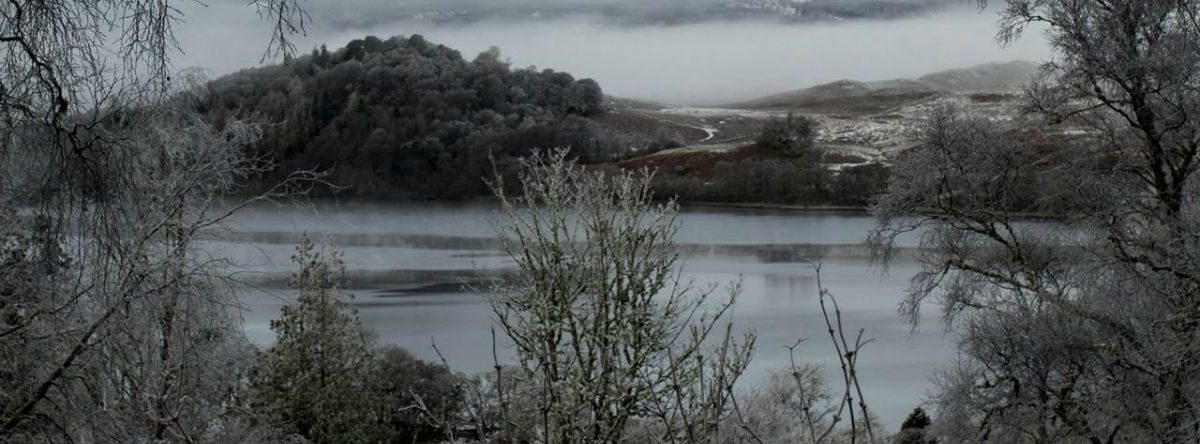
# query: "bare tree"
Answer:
x=1082 y=328
x=797 y=405
x=115 y=326
x=606 y=333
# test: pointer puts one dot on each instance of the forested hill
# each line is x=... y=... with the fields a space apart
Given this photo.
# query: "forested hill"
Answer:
x=404 y=117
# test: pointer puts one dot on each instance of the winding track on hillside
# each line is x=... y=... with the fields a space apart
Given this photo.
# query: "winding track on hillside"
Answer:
x=710 y=132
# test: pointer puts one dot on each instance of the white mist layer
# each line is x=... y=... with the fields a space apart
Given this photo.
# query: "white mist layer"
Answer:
x=696 y=64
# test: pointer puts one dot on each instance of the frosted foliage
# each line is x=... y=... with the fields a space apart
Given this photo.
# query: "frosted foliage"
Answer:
x=607 y=335
x=113 y=327
x=1083 y=328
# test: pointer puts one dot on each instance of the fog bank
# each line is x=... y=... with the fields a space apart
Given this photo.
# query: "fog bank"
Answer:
x=696 y=64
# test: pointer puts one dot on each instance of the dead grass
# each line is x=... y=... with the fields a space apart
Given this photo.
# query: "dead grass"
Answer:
x=695 y=163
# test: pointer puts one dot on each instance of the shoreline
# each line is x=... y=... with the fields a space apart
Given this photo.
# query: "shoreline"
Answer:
x=798 y=208
x=684 y=205
x=780 y=207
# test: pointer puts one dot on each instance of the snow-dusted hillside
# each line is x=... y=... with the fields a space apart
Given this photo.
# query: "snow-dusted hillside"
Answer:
x=866 y=120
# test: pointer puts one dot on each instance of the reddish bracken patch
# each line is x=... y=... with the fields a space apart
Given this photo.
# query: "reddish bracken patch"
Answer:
x=843 y=158
x=691 y=163
x=988 y=97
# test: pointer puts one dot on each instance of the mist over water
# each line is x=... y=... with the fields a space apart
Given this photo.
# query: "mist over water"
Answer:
x=410 y=292
x=698 y=64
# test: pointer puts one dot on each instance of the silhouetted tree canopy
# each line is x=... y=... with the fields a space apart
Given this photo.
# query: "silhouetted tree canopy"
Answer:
x=406 y=117
x=792 y=136
x=918 y=419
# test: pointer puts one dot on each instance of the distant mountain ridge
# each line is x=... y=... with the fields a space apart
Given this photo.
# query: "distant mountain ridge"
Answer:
x=841 y=9
x=980 y=77
x=989 y=76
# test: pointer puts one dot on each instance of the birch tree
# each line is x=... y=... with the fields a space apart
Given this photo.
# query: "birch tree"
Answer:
x=116 y=328
x=607 y=334
x=1083 y=329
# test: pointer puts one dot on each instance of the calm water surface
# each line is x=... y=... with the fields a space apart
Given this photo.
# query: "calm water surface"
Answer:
x=407 y=263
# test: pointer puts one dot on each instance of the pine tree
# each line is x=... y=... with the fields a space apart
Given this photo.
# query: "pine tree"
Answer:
x=912 y=431
x=314 y=379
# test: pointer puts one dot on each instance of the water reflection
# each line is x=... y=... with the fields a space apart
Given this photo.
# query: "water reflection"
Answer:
x=408 y=265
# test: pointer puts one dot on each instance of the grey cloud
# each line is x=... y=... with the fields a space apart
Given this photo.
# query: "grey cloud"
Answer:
x=705 y=63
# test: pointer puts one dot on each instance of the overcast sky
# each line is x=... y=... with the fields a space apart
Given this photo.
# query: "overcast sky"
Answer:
x=689 y=64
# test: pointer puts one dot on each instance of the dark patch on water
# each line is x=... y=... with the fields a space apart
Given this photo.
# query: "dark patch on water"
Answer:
x=431 y=288
x=480 y=254
x=428 y=302
x=398 y=240
x=401 y=279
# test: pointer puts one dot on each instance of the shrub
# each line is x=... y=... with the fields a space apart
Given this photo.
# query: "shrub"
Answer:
x=421 y=400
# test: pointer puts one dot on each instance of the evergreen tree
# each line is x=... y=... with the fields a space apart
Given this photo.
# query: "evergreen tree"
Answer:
x=912 y=430
x=792 y=136
x=918 y=419
x=315 y=378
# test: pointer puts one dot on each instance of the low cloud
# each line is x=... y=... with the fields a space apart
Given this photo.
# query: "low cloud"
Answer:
x=706 y=63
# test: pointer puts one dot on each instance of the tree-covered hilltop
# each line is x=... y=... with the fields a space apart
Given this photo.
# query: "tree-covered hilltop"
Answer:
x=406 y=117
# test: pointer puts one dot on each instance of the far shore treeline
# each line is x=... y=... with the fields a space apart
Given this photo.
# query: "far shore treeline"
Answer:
x=404 y=117
x=408 y=118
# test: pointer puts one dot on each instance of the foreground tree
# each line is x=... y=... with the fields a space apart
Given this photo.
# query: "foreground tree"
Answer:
x=113 y=304
x=1084 y=329
x=113 y=326
x=315 y=379
x=607 y=335
x=420 y=401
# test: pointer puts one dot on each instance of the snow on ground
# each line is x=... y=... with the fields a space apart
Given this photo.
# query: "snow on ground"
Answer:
x=863 y=132
x=720 y=112
x=873 y=137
